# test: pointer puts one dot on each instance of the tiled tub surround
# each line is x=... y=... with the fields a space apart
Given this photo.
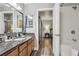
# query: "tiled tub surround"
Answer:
x=7 y=45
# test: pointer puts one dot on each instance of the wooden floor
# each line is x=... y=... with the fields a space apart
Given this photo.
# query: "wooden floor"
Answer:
x=45 y=48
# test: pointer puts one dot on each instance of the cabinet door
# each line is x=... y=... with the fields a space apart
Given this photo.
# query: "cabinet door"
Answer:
x=33 y=44
x=23 y=52
x=14 y=52
x=22 y=46
x=29 y=49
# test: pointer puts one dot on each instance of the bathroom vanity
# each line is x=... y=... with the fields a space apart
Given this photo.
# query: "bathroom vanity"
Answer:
x=11 y=23
x=18 y=48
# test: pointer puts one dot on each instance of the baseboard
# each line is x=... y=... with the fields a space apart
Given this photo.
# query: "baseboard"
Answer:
x=35 y=49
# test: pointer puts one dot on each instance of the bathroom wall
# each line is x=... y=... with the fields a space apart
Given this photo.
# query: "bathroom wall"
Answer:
x=31 y=9
x=2 y=28
x=70 y=21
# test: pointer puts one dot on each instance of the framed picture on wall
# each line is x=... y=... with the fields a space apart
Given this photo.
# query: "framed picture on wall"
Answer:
x=29 y=22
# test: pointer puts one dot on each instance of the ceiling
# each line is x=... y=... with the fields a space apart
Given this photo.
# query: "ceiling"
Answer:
x=69 y=4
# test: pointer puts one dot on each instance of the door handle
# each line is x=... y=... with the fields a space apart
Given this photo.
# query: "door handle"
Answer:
x=57 y=34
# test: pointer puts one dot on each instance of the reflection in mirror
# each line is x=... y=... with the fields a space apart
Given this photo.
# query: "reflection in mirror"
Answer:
x=8 y=22
x=19 y=22
x=6 y=18
x=11 y=20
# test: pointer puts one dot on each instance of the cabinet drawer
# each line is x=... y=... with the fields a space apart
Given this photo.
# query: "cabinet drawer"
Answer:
x=29 y=50
x=22 y=46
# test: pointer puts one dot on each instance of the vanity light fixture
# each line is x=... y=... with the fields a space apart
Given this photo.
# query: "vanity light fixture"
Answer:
x=13 y=4
x=19 y=8
x=16 y=6
x=30 y=17
x=7 y=5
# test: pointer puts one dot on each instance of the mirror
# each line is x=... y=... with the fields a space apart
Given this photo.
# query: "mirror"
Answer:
x=8 y=22
x=19 y=22
x=11 y=20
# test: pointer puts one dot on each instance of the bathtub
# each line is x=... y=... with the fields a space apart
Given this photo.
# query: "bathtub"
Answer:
x=67 y=50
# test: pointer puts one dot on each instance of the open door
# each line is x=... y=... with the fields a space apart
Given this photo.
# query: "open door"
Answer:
x=56 y=29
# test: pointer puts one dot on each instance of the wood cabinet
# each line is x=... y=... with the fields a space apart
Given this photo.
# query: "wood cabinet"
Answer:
x=29 y=50
x=32 y=43
x=23 y=52
x=11 y=52
x=24 y=49
x=22 y=46
x=30 y=46
x=14 y=52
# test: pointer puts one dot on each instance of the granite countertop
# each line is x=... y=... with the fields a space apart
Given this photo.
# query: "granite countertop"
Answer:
x=7 y=45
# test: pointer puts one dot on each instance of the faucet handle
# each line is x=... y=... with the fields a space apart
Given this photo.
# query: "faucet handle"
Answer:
x=74 y=40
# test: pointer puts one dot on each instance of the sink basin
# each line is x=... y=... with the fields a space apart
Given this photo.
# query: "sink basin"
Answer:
x=19 y=39
x=8 y=40
x=29 y=37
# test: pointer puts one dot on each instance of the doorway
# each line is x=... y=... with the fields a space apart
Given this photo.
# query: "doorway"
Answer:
x=45 y=30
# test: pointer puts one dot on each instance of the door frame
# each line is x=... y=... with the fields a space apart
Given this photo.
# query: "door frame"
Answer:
x=56 y=30
x=43 y=9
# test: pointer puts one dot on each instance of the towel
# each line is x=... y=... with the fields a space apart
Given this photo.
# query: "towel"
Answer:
x=74 y=52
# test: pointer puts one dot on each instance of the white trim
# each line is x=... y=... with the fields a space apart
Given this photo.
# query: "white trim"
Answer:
x=7 y=12
x=35 y=49
x=44 y=9
x=56 y=29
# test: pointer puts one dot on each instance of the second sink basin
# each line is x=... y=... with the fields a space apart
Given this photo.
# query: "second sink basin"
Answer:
x=19 y=39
